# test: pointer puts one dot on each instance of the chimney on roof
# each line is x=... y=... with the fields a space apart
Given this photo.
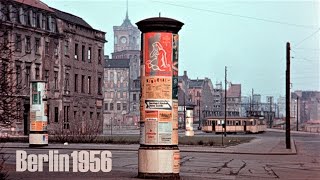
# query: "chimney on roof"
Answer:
x=184 y=73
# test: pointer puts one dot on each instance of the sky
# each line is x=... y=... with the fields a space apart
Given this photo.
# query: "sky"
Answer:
x=249 y=37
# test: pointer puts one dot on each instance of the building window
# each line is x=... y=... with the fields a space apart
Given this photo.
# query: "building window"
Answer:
x=28 y=44
x=99 y=56
x=56 y=80
x=89 y=85
x=99 y=85
x=18 y=76
x=82 y=83
x=83 y=116
x=76 y=83
x=106 y=106
x=89 y=54
x=118 y=106
x=27 y=76
x=37 y=45
x=111 y=106
x=83 y=53
x=18 y=43
x=26 y=17
x=124 y=106
x=56 y=47
x=56 y=114
x=38 y=22
x=44 y=22
x=134 y=97
x=67 y=82
x=53 y=25
x=91 y=115
x=66 y=48
x=76 y=49
x=37 y=72
x=46 y=78
x=34 y=19
x=66 y=117
x=98 y=116
x=46 y=48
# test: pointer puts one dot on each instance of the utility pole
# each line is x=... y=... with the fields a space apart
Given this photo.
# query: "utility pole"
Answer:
x=297 y=113
x=288 y=143
x=184 y=111
x=225 y=101
x=199 y=112
x=252 y=102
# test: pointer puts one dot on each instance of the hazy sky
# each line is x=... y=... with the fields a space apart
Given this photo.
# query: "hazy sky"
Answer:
x=249 y=37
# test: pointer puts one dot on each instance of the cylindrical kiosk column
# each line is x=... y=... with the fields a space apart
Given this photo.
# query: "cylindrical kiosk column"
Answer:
x=189 y=121
x=38 y=135
x=159 y=155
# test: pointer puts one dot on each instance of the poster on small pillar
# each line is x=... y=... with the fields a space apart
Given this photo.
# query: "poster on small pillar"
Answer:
x=158 y=54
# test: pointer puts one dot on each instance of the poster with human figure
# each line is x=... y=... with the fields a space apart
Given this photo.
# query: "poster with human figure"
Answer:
x=158 y=54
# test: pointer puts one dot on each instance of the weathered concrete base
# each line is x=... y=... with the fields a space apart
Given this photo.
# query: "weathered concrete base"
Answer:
x=159 y=161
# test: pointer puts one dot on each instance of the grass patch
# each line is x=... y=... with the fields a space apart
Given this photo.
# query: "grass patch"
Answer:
x=134 y=139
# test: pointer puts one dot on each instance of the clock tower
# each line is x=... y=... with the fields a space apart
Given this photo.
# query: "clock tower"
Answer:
x=126 y=36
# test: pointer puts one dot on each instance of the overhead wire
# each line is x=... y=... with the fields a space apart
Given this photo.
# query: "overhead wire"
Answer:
x=236 y=15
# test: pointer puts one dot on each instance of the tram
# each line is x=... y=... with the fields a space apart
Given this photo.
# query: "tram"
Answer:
x=235 y=124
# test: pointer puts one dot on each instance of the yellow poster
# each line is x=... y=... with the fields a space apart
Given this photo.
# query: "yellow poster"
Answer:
x=175 y=114
x=158 y=87
x=165 y=116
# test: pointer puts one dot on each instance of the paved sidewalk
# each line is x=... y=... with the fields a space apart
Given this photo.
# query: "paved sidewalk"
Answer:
x=258 y=146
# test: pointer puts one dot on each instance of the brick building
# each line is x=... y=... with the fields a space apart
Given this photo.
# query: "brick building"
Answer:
x=63 y=50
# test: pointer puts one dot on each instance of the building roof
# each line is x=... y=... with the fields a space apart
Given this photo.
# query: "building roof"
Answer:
x=36 y=4
x=71 y=18
x=234 y=90
x=196 y=83
x=117 y=63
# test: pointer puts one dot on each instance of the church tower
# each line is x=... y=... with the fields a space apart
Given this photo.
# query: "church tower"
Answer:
x=126 y=36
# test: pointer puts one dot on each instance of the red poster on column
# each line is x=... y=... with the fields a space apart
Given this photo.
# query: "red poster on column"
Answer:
x=158 y=54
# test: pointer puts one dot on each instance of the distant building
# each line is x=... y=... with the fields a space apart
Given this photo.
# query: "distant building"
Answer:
x=116 y=93
x=233 y=100
x=308 y=105
x=218 y=100
x=200 y=94
x=127 y=46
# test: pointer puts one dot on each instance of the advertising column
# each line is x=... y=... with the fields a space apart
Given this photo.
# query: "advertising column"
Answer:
x=159 y=155
x=38 y=114
x=189 y=121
